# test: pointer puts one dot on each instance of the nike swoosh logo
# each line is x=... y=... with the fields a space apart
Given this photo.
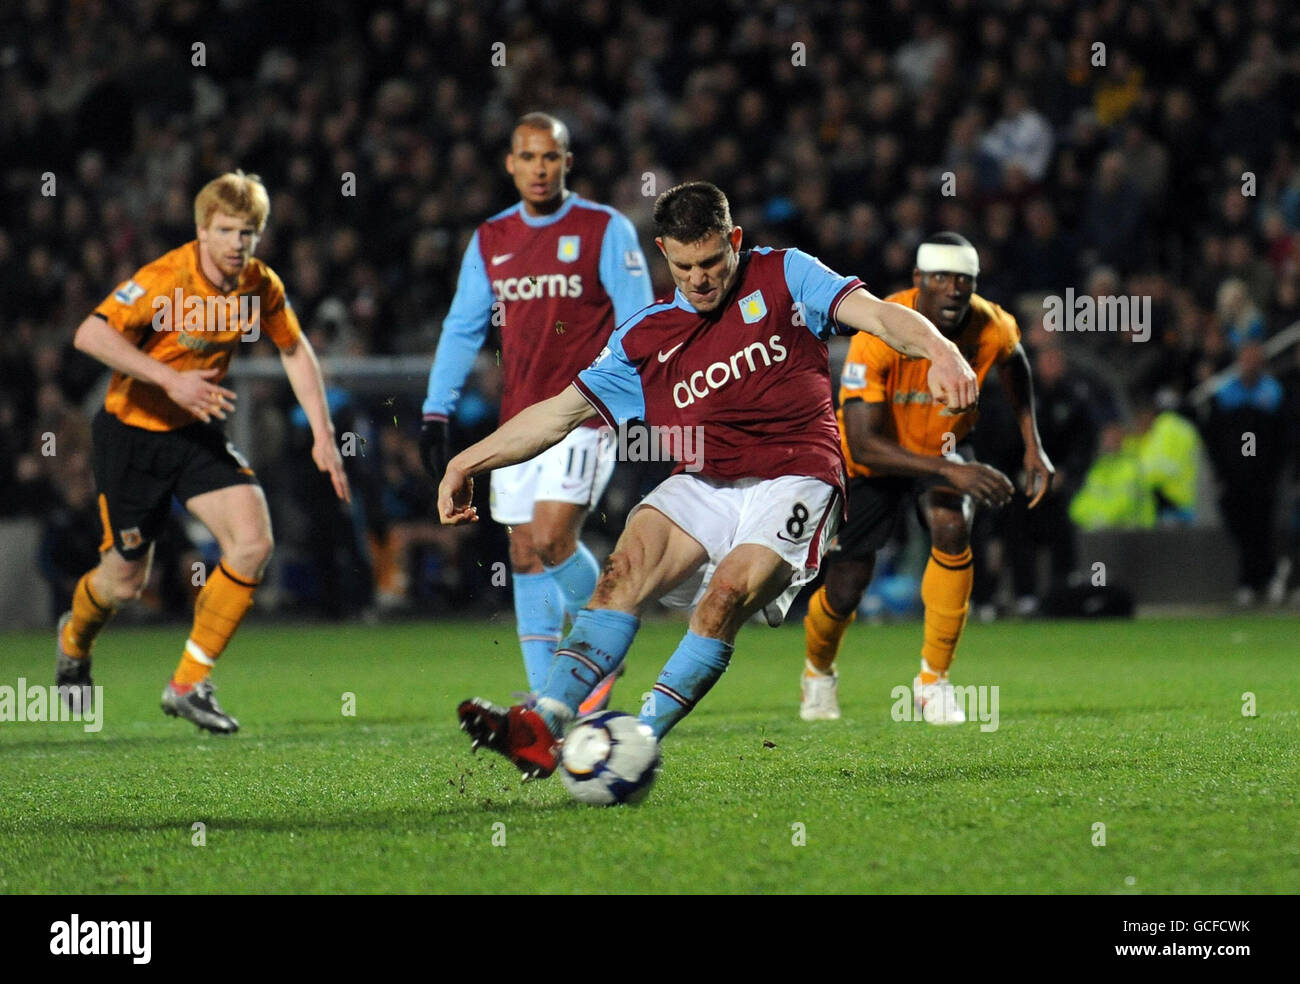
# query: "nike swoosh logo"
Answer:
x=498 y=260
x=665 y=356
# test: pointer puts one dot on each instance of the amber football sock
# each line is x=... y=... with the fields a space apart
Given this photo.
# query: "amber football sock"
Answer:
x=218 y=610
x=88 y=617
x=822 y=632
x=945 y=592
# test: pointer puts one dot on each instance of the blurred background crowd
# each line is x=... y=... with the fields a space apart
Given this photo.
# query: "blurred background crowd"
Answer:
x=1113 y=148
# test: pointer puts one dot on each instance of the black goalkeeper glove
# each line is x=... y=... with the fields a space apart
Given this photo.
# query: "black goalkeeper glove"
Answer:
x=435 y=446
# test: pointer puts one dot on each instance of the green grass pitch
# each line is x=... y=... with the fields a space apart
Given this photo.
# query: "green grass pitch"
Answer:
x=1135 y=725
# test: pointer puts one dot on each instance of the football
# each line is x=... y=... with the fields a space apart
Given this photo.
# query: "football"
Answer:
x=609 y=758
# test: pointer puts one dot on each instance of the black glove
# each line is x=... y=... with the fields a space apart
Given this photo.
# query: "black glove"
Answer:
x=435 y=446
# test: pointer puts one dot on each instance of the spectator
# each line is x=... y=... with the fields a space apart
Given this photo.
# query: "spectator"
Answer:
x=1169 y=449
x=1114 y=495
x=1069 y=433
x=1244 y=433
x=1045 y=256
x=71 y=533
x=1020 y=139
x=1290 y=381
x=1240 y=318
x=1068 y=160
x=1114 y=213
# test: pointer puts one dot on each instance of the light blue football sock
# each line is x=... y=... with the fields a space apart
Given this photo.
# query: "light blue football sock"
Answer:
x=592 y=650
x=576 y=578
x=539 y=618
x=688 y=675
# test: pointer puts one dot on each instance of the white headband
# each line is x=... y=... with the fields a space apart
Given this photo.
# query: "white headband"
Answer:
x=947 y=258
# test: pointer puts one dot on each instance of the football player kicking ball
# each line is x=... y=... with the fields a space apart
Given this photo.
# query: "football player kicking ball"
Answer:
x=168 y=334
x=556 y=273
x=739 y=352
x=901 y=447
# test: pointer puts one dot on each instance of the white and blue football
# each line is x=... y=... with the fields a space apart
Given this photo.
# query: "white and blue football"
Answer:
x=609 y=758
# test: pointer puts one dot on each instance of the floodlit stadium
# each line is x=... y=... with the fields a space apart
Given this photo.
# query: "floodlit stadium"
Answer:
x=1039 y=642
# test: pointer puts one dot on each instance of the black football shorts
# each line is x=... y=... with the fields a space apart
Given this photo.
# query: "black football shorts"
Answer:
x=137 y=472
x=876 y=507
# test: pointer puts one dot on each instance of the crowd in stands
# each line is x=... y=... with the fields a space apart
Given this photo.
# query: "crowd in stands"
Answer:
x=1145 y=149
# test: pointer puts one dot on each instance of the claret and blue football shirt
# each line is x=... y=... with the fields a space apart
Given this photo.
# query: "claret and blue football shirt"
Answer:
x=753 y=375
x=556 y=286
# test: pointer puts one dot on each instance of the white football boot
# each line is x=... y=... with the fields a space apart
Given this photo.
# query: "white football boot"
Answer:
x=821 y=697
x=936 y=702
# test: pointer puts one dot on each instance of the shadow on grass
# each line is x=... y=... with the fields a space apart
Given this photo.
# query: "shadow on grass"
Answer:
x=90 y=743
x=935 y=773
x=267 y=733
x=390 y=821
x=1108 y=713
x=407 y=719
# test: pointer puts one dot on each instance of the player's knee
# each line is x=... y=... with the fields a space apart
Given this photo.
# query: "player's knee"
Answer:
x=262 y=548
x=950 y=534
x=124 y=584
x=613 y=580
x=555 y=548
x=126 y=590
x=719 y=607
x=844 y=596
x=846 y=583
x=249 y=554
x=523 y=550
x=523 y=558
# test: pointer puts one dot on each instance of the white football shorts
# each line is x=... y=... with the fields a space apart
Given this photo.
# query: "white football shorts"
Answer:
x=576 y=470
x=793 y=515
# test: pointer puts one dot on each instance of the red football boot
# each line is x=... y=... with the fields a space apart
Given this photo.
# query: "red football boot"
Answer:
x=519 y=733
